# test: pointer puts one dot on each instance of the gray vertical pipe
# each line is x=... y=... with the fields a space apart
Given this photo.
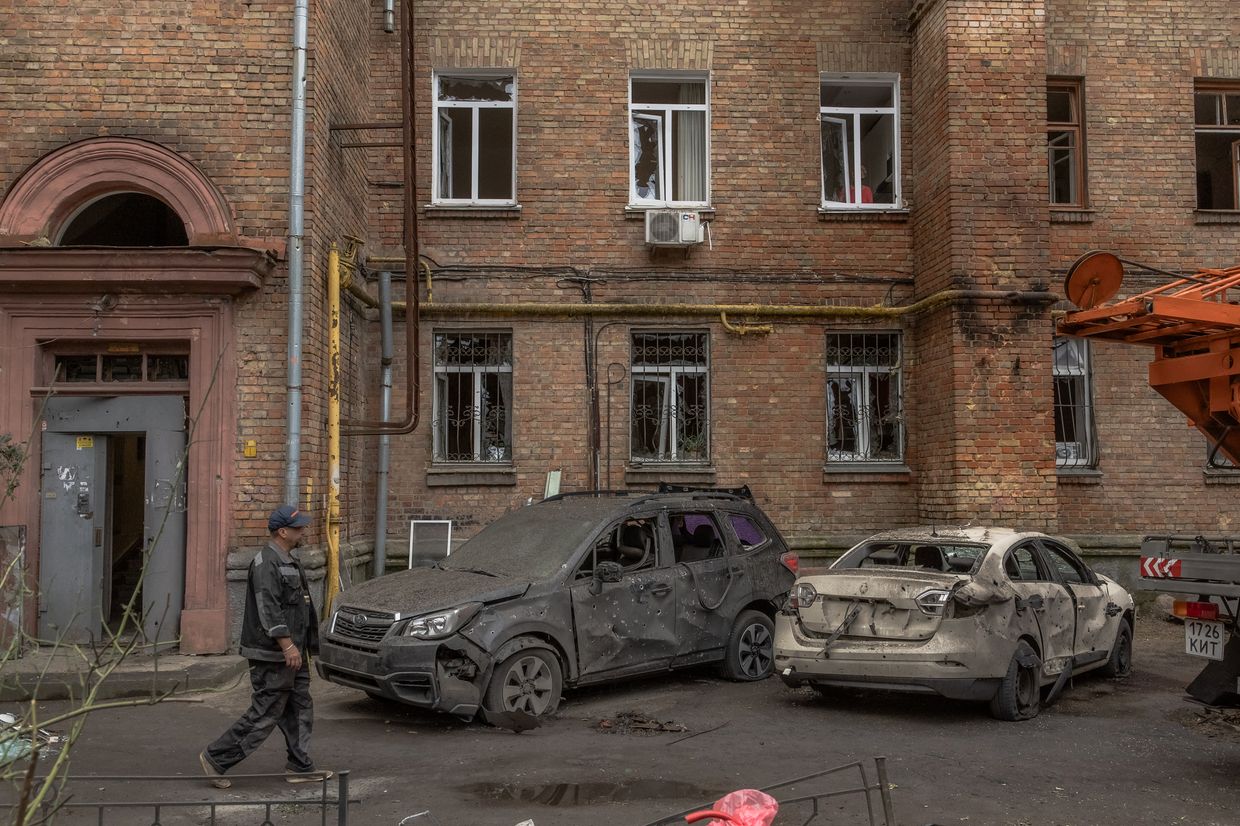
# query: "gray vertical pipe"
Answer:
x=381 y=488
x=296 y=230
x=389 y=16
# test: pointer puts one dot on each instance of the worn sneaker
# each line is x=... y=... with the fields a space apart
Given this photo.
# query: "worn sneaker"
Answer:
x=291 y=776
x=218 y=780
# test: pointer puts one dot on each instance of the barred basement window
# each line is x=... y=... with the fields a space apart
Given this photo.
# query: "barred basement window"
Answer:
x=865 y=414
x=1074 y=407
x=473 y=397
x=670 y=407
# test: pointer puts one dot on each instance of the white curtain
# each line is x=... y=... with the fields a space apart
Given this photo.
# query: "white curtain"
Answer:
x=690 y=147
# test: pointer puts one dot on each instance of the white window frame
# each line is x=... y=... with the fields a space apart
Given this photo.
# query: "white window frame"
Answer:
x=1086 y=457
x=437 y=106
x=1227 y=129
x=864 y=374
x=664 y=111
x=669 y=376
x=439 y=448
x=853 y=172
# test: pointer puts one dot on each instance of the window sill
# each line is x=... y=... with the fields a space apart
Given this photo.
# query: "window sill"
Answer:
x=1081 y=476
x=838 y=472
x=633 y=212
x=893 y=215
x=1221 y=476
x=466 y=211
x=1073 y=215
x=654 y=473
x=440 y=476
x=1216 y=216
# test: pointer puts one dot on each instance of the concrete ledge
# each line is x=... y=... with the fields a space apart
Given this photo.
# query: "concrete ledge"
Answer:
x=63 y=675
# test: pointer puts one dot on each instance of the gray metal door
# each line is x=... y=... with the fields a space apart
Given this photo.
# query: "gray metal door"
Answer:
x=71 y=536
x=162 y=420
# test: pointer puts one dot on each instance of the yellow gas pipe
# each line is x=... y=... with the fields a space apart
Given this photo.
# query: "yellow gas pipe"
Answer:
x=331 y=584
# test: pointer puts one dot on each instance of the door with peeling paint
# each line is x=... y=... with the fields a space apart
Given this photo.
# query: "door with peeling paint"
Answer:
x=71 y=562
x=73 y=558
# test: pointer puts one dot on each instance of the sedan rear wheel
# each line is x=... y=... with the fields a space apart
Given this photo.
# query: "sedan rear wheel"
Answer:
x=1020 y=693
x=751 y=648
x=529 y=681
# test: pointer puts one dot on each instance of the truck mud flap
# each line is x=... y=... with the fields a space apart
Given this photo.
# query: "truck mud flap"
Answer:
x=1216 y=684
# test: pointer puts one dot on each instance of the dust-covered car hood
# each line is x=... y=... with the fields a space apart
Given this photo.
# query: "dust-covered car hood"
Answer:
x=420 y=590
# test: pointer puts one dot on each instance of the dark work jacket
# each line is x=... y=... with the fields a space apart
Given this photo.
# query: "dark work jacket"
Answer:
x=277 y=604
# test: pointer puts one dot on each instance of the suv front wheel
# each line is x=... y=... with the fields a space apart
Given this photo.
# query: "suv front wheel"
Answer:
x=751 y=648
x=528 y=681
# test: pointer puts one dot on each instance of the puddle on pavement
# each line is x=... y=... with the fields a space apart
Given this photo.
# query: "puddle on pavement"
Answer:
x=589 y=794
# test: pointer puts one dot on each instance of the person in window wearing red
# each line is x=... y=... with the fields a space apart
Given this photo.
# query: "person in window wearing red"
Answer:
x=867 y=194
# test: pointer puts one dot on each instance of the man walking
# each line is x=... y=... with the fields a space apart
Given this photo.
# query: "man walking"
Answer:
x=279 y=630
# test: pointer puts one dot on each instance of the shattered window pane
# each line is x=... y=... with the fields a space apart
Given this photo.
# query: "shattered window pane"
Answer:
x=631 y=545
x=167 y=368
x=670 y=404
x=473 y=397
x=859 y=142
x=122 y=368
x=1069 y=569
x=76 y=368
x=1020 y=565
x=667 y=141
x=474 y=137
x=695 y=537
x=865 y=417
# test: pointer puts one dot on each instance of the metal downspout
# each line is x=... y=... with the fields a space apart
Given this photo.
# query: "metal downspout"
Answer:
x=296 y=230
x=389 y=16
x=385 y=381
x=331 y=583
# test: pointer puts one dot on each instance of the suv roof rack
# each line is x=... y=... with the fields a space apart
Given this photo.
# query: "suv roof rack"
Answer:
x=743 y=492
x=597 y=494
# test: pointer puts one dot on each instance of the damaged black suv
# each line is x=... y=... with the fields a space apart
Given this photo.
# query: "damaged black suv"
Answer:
x=577 y=589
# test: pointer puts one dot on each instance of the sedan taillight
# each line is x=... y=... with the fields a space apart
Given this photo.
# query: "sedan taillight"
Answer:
x=802 y=595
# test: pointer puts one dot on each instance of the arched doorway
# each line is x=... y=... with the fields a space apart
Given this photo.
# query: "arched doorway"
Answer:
x=119 y=264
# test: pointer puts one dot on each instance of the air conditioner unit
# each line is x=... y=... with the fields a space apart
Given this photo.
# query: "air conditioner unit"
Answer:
x=673 y=228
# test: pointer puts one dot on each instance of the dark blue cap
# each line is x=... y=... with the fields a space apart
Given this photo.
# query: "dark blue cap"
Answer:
x=287 y=516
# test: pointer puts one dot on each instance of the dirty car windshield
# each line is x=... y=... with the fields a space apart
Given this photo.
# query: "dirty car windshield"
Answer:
x=529 y=544
x=927 y=555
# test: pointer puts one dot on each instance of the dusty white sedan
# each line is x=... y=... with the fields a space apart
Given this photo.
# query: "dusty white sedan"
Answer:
x=981 y=614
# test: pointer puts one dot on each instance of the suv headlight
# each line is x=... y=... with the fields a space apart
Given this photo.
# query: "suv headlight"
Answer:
x=441 y=624
x=933 y=601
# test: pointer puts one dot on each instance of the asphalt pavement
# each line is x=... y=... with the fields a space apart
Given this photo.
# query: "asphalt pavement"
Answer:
x=1110 y=752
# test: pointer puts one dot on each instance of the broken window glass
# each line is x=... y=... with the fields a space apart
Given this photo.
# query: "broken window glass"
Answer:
x=1073 y=405
x=473 y=397
x=475 y=140
x=167 y=368
x=77 y=368
x=668 y=141
x=695 y=537
x=860 y=141
x=1217 y=116
x=865 y=418
x=122 y=368
x=670 y=409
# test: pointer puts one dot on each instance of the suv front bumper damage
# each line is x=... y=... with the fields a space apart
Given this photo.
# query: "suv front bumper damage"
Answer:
x=443 y=675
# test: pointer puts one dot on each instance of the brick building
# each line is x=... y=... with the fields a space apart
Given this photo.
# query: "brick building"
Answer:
x=893 y=189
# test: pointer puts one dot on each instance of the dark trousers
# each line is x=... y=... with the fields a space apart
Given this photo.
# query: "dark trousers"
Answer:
x=281 y=698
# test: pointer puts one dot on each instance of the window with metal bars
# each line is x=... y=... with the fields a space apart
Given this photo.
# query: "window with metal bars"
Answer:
x=865 y=413
x=473 y=397
x=670 y=403
x=1075 y=445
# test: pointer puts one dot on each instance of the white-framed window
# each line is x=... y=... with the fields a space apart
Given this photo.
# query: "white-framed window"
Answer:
x=1074 y=408
x=474 y=152
x=669 y=140
x=1217 y=134
x=473 y=396
x=670 y=401
x=865 y=411
x=860 y=118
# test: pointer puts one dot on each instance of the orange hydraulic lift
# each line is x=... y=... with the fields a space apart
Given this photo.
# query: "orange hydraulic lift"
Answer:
x=1193 y=326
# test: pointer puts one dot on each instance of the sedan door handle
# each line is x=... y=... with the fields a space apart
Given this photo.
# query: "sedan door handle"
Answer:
x=661 y=590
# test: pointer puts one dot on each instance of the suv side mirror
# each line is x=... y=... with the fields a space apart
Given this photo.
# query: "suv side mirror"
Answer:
x=605 y=572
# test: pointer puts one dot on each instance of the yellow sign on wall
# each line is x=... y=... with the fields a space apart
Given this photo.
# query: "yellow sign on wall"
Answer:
x=85 y=442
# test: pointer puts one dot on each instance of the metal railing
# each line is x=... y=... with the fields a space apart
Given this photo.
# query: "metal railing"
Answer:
x=126 y=811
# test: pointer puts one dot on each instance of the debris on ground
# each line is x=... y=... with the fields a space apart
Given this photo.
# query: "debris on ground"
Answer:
x=1213 y=721
x=16 y=741
x=630 y=722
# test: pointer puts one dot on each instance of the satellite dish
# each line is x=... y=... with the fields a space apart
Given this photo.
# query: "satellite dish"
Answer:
x=1093 y=279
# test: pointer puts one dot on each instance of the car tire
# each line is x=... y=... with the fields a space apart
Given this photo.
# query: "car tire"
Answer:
x=1020 y=693
x=750 y=655
x=529 y=681
x=1119 y=664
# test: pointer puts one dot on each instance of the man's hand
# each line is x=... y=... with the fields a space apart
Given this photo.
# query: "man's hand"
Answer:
x=292 y=657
